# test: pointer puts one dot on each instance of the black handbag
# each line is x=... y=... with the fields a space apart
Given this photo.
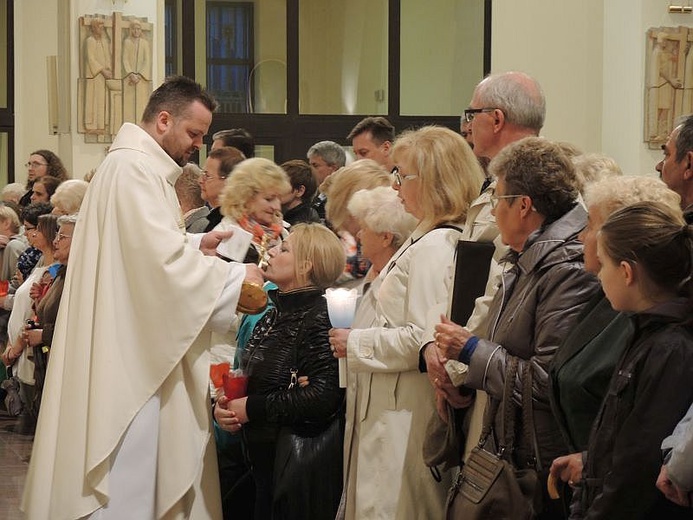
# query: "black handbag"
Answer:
x=489 y=485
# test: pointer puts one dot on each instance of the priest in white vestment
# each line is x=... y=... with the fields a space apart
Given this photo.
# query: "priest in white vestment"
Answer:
x=124 y=429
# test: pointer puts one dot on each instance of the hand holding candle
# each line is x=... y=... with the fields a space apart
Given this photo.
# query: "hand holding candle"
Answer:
x=341 y=307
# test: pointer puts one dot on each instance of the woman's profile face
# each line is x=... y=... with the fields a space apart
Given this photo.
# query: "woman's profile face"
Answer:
x=612 y=279
x=30 y=233
x=372 y=243
x=62 y=243
x=410 y=189
x=588 y=237
x=264 y=207
x=281 y=268
x=40 y=241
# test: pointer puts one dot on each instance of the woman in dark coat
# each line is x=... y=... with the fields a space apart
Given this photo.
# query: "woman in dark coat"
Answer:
x=292 y=341
x=646 y=256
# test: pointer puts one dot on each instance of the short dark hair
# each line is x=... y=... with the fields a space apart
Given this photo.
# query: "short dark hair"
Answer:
x=300 y=174
x=174 y=96
x=380 y=128
x=228 y=158
x=32 y=212
x=684 y=141
x=50 y=183
x=55 y=166
x=238 y=138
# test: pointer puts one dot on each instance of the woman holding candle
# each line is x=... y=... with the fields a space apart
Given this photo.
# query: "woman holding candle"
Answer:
x=436 y=177
x=383 y=226
x=290 y=341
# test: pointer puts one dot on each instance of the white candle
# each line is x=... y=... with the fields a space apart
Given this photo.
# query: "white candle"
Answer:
x=341 y=307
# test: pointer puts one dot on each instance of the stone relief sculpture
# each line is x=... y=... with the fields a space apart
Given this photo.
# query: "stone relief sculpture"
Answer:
x=137 y=72
x=115 y=74
x=668 y=82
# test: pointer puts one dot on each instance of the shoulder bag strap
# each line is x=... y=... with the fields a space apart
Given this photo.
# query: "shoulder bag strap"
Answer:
x=506 y=438
x=528 y=417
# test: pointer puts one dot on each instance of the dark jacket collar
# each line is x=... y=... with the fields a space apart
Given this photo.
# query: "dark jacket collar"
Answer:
x=677 y=310
x=553 y=243
x=299 y=298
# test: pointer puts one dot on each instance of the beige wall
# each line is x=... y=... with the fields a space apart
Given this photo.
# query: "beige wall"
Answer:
x=590 y=59
x=36 y=38
x=588 y=55
x=560 y=44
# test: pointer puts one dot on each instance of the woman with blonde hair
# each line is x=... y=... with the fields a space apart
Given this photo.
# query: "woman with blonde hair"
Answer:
x=436 y=177
x=339 y=187
x=302 y=478
x=364 y=174
x=251 y=199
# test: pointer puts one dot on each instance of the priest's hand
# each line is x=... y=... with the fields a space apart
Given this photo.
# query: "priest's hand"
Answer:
x=225 y=418
x=210 y=241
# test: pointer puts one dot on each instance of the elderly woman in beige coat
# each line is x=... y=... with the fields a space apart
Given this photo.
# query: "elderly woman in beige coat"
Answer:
x=436 y=178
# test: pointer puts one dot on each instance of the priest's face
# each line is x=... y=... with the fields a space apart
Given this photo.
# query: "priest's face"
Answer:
x=182 y=135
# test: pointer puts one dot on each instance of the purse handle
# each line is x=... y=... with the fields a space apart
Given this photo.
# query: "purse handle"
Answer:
x=507 y=440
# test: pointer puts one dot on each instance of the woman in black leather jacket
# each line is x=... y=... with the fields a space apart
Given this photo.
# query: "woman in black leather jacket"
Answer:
x=280 y=418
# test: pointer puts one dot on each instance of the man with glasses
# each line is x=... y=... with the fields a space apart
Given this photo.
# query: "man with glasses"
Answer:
x=505 y=108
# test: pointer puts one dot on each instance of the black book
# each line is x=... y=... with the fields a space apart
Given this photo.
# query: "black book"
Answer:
x=472 y=265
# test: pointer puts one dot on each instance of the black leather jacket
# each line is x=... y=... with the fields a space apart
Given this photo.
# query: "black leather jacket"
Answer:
x=292 y=335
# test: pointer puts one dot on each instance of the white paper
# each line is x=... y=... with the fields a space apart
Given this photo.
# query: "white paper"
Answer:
x=236 y=247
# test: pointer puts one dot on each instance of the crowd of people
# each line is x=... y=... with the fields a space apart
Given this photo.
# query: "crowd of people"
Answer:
x=135 y=298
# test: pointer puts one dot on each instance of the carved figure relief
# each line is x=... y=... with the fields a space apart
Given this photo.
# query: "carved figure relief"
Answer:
x=668 y=82
x=115 y=74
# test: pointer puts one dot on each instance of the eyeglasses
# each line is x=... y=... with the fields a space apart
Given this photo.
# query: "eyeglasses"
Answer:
x=469 y=113
x=35 y=164
x=399 y=178
x=207 y=176
x=495 y=198
x=60 y=237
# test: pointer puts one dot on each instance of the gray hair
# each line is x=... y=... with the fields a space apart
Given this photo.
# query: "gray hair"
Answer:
x=66 y=220
x=518 y=95
x=381 y=210
x=592 y=167
x=13 y=191
x=613 y=193
x=684 y=141
x=69 y=195
x=331 y=153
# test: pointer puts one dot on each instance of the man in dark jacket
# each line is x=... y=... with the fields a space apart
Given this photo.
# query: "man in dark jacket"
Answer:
x=296 y=205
